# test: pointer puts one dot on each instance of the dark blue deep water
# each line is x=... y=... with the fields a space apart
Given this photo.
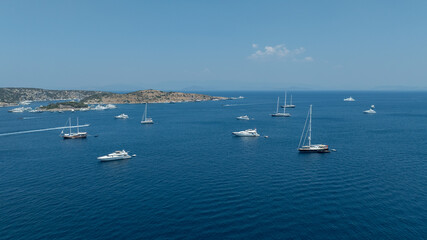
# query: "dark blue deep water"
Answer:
x=193 y=180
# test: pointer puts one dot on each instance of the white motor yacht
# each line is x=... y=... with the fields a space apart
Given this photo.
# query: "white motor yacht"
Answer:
x=122 y=116
x=17 y=110
x=245 y=117
x=247 y=133
x=349 y=99
x=117 y=155
x=371 y=110
x=111 y=106
x=100 y=107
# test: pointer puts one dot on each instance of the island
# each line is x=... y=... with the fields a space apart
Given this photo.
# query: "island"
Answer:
x=15 y=96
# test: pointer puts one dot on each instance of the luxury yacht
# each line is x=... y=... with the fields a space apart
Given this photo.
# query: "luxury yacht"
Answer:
x=349 y=99
x=73 y=135
x=122 y=116
x=111 y=106
x=281 y=114
x=17 y=110
x=306 y=135
x=117 y=155
x=247 y=133
x=371 y=110
x=245 y=117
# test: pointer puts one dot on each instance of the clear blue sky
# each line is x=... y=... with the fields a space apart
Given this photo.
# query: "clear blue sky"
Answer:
x=214 y=45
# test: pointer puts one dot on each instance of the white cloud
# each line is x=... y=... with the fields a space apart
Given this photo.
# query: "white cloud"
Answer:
x=308 y=59
x=279 y=51
x=254 y=45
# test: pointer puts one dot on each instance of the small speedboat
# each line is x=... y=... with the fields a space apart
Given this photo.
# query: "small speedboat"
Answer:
x=247 y=133
x=245 y=117
x=349 y=99
x=117 y=155
x=122 y=116
x=371 y=110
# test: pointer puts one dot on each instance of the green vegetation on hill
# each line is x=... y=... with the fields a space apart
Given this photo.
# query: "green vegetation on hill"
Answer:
x=64 y=105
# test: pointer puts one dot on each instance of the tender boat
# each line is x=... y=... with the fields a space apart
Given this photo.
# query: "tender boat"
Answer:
x=122 y=116
x=73 y=135
x=280 y=114
x=306 y=135
x=117 y=155
x=247 y=133
x=349 y=99
x=245 y=117
x=371 y=110
x=145 y=119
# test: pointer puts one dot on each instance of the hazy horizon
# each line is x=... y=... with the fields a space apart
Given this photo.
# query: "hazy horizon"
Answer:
x=214 y=46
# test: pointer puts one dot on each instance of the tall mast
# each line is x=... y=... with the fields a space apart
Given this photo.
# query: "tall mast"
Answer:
x=69 y=119
x=277 y=108
x=78 y=125
x=309 y=128
x=284 y=107
x=145 y=115
x=291 y=99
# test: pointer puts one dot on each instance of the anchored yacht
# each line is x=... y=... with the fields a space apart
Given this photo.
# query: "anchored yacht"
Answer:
x=145 y=119
x=117 y=155
x=281 y=114
x=371 y=110
x=247 y=133
x=122 y=116
x=245 y=117
x=349 y=99
x=306 y=135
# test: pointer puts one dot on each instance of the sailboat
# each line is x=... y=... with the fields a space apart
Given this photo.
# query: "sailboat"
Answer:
x=145 y=119
x=279 y=114
x=72 y=135
x=289 y=105
x=310 y=148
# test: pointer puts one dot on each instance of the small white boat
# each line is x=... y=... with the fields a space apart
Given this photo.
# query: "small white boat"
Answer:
x=100 y=108
x=371 y=110
x=145 y=119
x=349 y=99
x=306 y=135
x=245 y=117
x=122 y=116
x=240 y=97
x=281 y=114
x=26 y=102
x=35 y=111
x=84 y=109
x=117 y=155
x=247 y=133
x=111 y=106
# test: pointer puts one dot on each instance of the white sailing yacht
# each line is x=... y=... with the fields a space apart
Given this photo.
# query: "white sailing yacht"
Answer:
x=72 y=135
x=279 y=114
x=310 y=148
x=145 y=119
x=289 y=105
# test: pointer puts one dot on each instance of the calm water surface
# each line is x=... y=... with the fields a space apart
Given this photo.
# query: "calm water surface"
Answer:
x=193 y=180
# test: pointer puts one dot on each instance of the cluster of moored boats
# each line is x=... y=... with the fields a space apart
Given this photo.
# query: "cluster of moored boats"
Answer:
x=305 y=144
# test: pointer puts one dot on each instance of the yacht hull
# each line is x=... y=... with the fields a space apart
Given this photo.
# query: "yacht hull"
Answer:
x=108 y=159
x=75 y=136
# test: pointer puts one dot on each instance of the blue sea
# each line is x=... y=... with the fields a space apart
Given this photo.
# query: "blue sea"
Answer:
x=192 y=179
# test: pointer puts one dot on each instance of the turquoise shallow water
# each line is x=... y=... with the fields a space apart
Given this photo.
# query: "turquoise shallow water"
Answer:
x=193 y=180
